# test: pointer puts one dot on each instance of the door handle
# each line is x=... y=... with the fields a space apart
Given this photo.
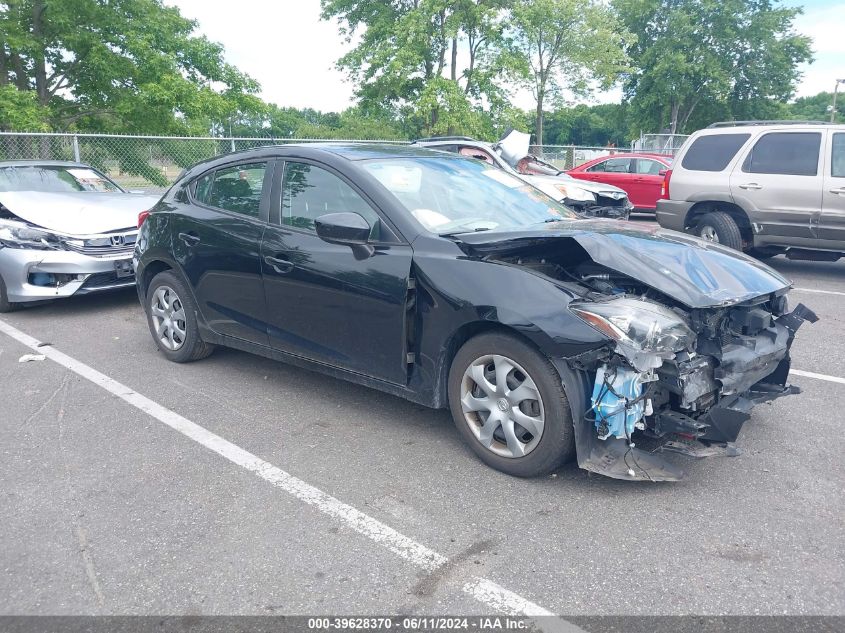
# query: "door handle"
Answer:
x=751 y=185
x=190 y=239
x=281 y=265
x=840 y=191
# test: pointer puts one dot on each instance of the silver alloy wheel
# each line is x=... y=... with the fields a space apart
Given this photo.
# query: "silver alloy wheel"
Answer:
x=502 y=406
x=708 y=233
x=168 y=316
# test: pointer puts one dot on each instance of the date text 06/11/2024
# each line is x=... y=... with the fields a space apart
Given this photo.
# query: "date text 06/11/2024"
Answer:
x=419 y=623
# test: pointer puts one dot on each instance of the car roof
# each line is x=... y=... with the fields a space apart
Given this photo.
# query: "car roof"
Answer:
x=328 y=151
x=362 y=151
x=452 y=140
x=42 y=163
x=798 y=126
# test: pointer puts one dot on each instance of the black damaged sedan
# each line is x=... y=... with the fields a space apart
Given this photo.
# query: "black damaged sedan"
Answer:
x=448 y=282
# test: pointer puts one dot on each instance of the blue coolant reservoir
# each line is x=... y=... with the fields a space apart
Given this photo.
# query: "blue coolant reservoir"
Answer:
x=613 y=419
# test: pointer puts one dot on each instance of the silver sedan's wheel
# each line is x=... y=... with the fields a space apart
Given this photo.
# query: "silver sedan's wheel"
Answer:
x=168 y=316
x=707 y=232
x=502 y=406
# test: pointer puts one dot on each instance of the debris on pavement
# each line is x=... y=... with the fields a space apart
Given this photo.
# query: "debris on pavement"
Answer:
x=26 y=358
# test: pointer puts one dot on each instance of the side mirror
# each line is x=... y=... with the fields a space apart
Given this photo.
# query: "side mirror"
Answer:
x=346 y=228
x=342 y=228
x=662 y=172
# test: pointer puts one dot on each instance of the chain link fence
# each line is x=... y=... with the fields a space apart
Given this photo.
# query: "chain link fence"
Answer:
x=152 y=163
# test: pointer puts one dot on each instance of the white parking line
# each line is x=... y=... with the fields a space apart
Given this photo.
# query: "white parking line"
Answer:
x=821 y=292
x=811 y=374
x=482 y=589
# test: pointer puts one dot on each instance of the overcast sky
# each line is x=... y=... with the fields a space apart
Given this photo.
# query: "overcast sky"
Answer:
x=291 y=52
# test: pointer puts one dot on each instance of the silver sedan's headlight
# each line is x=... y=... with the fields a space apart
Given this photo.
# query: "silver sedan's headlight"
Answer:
x=19 y=235
x=573 y=192
x=642 y=325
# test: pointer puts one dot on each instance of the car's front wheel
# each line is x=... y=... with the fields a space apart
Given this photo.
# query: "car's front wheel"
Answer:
x=509 y=405
x=5 y=304
x=171 y=316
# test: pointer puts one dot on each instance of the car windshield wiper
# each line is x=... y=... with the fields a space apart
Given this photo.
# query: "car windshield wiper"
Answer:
x=459 y=231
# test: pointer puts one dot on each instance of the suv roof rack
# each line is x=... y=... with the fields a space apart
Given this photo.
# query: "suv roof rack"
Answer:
x=444 y=138
x=741 y=123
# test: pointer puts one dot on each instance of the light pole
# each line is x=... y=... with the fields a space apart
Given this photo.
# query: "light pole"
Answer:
x=833 y=107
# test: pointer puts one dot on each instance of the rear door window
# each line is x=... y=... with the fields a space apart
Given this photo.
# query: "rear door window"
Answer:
x=648 y=167
x=785 y=153
x=236 y=188
x=713 y=152
x=837 y=163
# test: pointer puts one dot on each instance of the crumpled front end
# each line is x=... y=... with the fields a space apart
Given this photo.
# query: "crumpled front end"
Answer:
x=689 y=392
x=695 y=338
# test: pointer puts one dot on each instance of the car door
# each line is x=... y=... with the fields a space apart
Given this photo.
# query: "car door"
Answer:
x=779 y=183
x=326 y=302
x=832 y=222
x=645 y=190
x=217 y=242
x=617 y=171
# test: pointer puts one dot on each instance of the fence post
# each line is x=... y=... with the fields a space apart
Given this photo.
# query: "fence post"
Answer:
x=76 y=149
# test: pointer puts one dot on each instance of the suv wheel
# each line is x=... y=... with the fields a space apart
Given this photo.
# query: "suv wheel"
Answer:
x=719 y=227
x=509 y=405
x=171 y=315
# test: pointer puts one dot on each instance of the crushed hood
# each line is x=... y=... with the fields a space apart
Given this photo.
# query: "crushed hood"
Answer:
x=78 y=213
x=696 y=273
x=611 y=191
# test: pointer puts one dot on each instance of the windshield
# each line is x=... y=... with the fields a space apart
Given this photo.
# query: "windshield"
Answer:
x=54 y=179
x=456 y=195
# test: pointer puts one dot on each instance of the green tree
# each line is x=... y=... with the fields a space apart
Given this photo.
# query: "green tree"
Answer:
x=124 y=65
x=407 y=50
x=817 y=107
x=20 y=110
x=734 y=57
x=565 y=45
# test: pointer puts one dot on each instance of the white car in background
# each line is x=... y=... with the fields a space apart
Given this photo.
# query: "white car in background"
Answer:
x=65 y=229
x=511 y=155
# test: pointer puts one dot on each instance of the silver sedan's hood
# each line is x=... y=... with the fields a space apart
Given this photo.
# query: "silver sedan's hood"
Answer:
x=78 y=213
x=593 y=187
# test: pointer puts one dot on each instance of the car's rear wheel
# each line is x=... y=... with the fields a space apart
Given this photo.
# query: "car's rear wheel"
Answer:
x=5 y=304
x=171 y=316
x=509 y=405
x=721 y=228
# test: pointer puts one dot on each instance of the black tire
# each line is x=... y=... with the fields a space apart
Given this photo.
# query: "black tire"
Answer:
x=556 y=445
x=193 y=347
x=5 y=304
x=723 y=225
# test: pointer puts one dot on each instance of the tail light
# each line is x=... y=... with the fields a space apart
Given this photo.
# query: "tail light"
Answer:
x=142 y=216
x=664 y=188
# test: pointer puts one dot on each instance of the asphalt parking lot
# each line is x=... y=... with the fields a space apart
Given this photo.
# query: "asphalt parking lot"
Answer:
x=112 y=510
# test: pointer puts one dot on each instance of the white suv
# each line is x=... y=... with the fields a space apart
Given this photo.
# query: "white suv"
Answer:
x=763 y=187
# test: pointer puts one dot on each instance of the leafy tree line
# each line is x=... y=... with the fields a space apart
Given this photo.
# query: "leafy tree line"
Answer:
x=420 y=67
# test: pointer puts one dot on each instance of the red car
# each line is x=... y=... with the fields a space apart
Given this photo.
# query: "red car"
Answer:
x=640 y=175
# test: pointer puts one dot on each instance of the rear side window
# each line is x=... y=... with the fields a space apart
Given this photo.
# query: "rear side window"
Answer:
x=714 y=152
x=236 y=188
x=837 y=163
x=785 y=153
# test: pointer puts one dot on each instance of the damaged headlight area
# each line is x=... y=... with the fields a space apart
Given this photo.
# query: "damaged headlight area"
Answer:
x=575 y=193
x=643 y=326
x=685 y=380
x=14 y=234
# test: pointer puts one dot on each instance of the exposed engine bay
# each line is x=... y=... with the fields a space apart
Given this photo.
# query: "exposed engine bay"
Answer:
x=675 y=378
